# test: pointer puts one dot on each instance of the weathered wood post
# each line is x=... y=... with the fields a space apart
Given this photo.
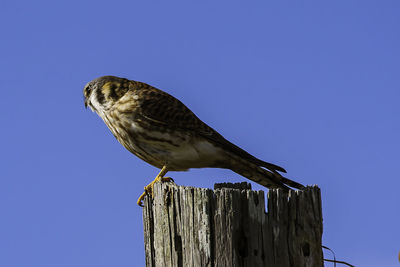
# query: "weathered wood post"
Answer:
x=186 y=226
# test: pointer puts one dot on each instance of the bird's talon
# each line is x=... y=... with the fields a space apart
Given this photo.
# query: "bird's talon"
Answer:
x=140 y=199
x=148 y=190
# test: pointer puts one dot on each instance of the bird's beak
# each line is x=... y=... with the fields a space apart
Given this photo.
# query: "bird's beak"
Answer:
x=86 y=104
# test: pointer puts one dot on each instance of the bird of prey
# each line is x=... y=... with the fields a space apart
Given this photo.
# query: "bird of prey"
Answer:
x=161 y=130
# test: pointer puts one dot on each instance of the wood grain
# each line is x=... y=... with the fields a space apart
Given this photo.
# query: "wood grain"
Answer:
x=229 y=226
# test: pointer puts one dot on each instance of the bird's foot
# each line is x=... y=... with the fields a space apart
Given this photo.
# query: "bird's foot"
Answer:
x=149 y=188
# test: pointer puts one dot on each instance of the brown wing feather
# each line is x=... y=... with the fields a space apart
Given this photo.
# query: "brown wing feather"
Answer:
x=160 y=107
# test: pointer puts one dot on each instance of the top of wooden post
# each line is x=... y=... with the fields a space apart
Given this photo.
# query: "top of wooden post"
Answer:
x=229 y=226
x=240 y=186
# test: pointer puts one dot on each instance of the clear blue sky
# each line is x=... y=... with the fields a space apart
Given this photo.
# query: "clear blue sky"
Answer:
x=313 y=86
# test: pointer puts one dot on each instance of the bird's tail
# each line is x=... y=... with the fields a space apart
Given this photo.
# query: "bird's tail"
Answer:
x=262 y=176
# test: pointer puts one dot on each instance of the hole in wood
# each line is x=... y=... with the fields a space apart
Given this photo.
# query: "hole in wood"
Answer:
x=306 y=249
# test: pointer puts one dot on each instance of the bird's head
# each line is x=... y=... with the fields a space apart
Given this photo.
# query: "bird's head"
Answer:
x=101 y=93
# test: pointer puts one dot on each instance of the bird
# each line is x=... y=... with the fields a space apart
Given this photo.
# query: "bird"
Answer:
x=159 y=129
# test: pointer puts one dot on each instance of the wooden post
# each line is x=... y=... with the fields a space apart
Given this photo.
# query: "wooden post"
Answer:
x=228 y=226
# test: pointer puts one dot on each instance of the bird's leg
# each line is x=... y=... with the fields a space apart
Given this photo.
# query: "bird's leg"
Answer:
x=149 y=188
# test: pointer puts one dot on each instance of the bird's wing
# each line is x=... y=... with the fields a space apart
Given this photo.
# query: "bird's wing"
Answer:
x=217 y=138
x=162 y=108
